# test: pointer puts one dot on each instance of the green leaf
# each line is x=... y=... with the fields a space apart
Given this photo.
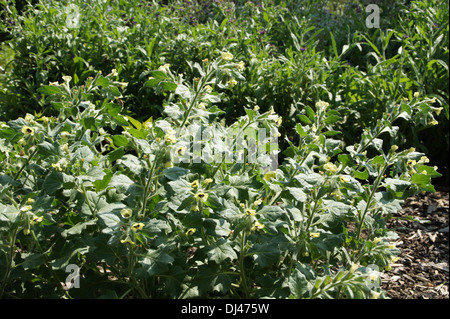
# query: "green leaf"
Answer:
x=212 y=280
x=160 y=75
x=298 y=284
x=169 y=86
x=83 y=153
x=102 y=81
x=55 y=181
x=135 y=123
x=134 y=164
x=152 y=82
x=304 y=119
x=183 y=91
x=78 y=228
x=47 y=149
x=119 y=140
x=175 y=173
x=298 y=193
x=102 y=183
x=49 y=90
x=116 y=154
x=110 y=220
x=220 y=250
x=217 y=227
x=265 y=254
x=361 y=175
x=155 y=262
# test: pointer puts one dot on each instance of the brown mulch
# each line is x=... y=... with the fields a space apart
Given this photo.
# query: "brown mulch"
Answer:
x=422 y=269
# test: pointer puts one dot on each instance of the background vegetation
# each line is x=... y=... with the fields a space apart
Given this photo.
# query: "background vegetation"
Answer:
x=91 y=116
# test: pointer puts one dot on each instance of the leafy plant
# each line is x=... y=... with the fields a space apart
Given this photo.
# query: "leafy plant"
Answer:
x=102 y=190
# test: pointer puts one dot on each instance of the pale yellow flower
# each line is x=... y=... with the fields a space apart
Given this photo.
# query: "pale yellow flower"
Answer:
x=26 y=208
x=57 y=166
x=137 y=226
x=314 y=235
x=194 y=184
x=278 y=121
x=353 y=268
x=65 y=148
x=227 y=56
x=344 y=179
x=376 y=240
x=257 y=225
x=127 y=241
x=29 y=118
x=322 y=105
x=200 y=196
x=181 y=150
x=168 y=165
x=330 y=168
x=208 y=89
x=164 y=68
x=240 y=66
x=190 y=231
x=170 y=138
x=67 y=78
x=207 y=181
x=232 y=83
x=126 y=213
x=26 y=130
x=257 y=202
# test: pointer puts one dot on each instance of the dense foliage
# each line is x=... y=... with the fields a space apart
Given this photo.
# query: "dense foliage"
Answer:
x=102 y=105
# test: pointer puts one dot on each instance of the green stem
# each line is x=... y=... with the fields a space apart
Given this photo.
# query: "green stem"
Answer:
x=47 y=264
x=199 y=89
x=241 y=265
x=87 y=200
x=26 y=164
x=372 y=193
x=9 y=261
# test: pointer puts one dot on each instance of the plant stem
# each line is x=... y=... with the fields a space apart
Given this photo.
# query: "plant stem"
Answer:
x=241 y=265
x=9 y=261
x=87 y=200
x=372 y=193
x=26 y=164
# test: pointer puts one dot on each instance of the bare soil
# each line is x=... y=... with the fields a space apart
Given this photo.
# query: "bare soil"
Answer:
x=422 y=269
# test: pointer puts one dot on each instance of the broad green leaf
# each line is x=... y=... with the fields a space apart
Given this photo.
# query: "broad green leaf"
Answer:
x=119 y=140
x=155 y=262
x=220 y=250
x=183 y=91
x=169 y=86
x=175 y=173
x=298 y=193
x=78 y=228
x=49 y=90
x=57 y=180
x=217 y=227
x=265 y=254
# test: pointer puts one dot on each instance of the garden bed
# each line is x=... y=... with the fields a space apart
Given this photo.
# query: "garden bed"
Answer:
x=422 y=269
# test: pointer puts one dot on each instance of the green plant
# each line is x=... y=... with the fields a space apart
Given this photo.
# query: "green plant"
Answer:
x=146 y=209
